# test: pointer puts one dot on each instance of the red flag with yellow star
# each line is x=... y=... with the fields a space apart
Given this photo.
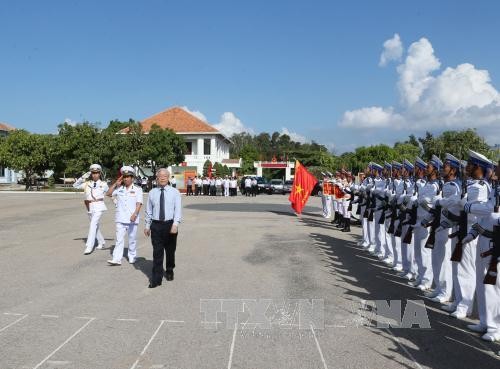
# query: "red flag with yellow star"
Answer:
x=303 y=184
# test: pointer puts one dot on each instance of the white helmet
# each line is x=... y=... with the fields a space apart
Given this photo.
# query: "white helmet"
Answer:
x=95 y=168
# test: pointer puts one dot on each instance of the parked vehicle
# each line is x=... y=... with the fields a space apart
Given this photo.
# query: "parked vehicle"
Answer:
x=287 y=188
x=277 y=186
x=261 y=183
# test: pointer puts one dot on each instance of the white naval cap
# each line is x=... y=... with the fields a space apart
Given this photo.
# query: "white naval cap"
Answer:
x=452 y=161
x=387 y=165
x=376 y=166
x=95 y=168
x=436 y=162
x=396 y=165
x=127 y=170
x=408 y=166
x=479 y=159
x=420 y=163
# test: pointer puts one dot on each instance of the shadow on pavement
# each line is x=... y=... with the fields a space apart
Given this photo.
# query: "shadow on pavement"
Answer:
x=447 y=344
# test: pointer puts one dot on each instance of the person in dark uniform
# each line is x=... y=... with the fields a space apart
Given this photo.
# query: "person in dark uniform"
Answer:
x=163 y=215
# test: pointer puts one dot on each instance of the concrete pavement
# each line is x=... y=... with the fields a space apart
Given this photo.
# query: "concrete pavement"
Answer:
x=61 y=309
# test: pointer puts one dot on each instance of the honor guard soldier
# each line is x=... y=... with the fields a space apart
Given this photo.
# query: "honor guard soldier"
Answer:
x=478 y=208
x=396 y=194
x=441 y=254
x=128 y=206
x=406 y=209
x=326 y=198
x=94 y=190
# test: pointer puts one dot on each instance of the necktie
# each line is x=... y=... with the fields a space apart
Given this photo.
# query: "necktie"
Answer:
x=162 y=204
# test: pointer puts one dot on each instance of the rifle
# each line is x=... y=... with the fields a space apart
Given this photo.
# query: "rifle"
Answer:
x=384 y=205
x=491 y=274
x=413 y=220
x=462 y=227
x=402 y=213
x=394 y=210
x=436 y=222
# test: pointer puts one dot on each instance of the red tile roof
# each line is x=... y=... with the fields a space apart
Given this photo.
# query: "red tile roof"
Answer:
x=6 y=127
x=178 y=120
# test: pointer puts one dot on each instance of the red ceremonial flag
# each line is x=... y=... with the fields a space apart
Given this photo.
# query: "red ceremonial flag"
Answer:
x=303 y=184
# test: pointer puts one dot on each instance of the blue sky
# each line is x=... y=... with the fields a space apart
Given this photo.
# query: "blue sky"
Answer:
x=291 y=66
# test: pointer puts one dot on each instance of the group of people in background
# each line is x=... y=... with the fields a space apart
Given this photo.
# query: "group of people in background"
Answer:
x=436 y=223
x=211 y=186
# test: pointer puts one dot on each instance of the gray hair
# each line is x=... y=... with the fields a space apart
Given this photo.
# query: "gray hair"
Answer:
x=158 y=172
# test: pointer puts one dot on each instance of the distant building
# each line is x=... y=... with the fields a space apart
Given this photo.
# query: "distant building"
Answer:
x=203 y=141
x=7 y=176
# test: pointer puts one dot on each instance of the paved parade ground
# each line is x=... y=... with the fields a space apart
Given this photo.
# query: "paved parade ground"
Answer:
x=61 y=309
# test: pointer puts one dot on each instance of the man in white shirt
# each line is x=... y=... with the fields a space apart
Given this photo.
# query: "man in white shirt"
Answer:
x=94 y=190
x=128 y=205
x=163 y=215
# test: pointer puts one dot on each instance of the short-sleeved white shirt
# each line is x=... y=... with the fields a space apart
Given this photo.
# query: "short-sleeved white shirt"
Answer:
x=126 y=202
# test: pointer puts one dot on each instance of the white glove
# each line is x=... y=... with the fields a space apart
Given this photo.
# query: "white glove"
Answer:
x=86 y=175
x=467 y=239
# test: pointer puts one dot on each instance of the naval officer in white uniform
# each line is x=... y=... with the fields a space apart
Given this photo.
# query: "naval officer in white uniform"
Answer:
x=94 y=190
x=128 y=206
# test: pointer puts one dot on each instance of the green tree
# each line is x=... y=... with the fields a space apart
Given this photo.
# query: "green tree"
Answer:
x=248 y=154
x=206 y=166
x=33 y=154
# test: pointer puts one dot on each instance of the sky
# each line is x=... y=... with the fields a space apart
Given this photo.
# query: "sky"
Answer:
x=343 y=74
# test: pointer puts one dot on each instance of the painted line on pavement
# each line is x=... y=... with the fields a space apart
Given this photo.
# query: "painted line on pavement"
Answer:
x=231 y=350
x=14 y=322
x=64 y=343
x=147 y=345
x=318 y=347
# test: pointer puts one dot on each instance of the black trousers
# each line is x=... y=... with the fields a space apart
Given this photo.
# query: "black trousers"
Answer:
x=189 y=190
x=164 y=245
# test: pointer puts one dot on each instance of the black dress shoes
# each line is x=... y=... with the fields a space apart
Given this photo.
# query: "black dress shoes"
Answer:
x=153 y=285
x=169 y=275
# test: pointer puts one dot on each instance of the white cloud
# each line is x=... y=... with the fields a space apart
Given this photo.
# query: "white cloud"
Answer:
x=294 y=136
x=229 y=124
x=196 y=113
x=430 y=99
x=372 y=117
x=70 y=121
x=393 y=50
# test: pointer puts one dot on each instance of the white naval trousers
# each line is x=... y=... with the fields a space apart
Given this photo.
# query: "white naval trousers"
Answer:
x=327 y=206
x=94 y=230
x=371 y=234
x=442 y=265
x=364 y=225
x=396 y=245
x=345 y=212
x=379 y=233
x=388 y=244
x=121 y=230
x=226 y=191
x=408 y=253
x=423 y=255
x=466 y=277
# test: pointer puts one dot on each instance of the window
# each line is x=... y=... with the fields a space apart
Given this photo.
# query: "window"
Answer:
x=189 y=148
x=2 y=171
x=206 y=146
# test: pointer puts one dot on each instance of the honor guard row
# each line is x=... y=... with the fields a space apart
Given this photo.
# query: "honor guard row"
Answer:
x=436 y=223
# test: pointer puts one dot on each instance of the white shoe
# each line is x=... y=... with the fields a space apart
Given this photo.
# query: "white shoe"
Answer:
x=440 y=299
x=131 y=261
x=88 y=251
x=114 y=263
x=479 y=328
x=100 y=246
x=458 y=314
x=449 y=308
x=491 y=336
x=423 y=287
x=397 y=268
x=388 y=261
x=365 y=244
x=380 y=256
